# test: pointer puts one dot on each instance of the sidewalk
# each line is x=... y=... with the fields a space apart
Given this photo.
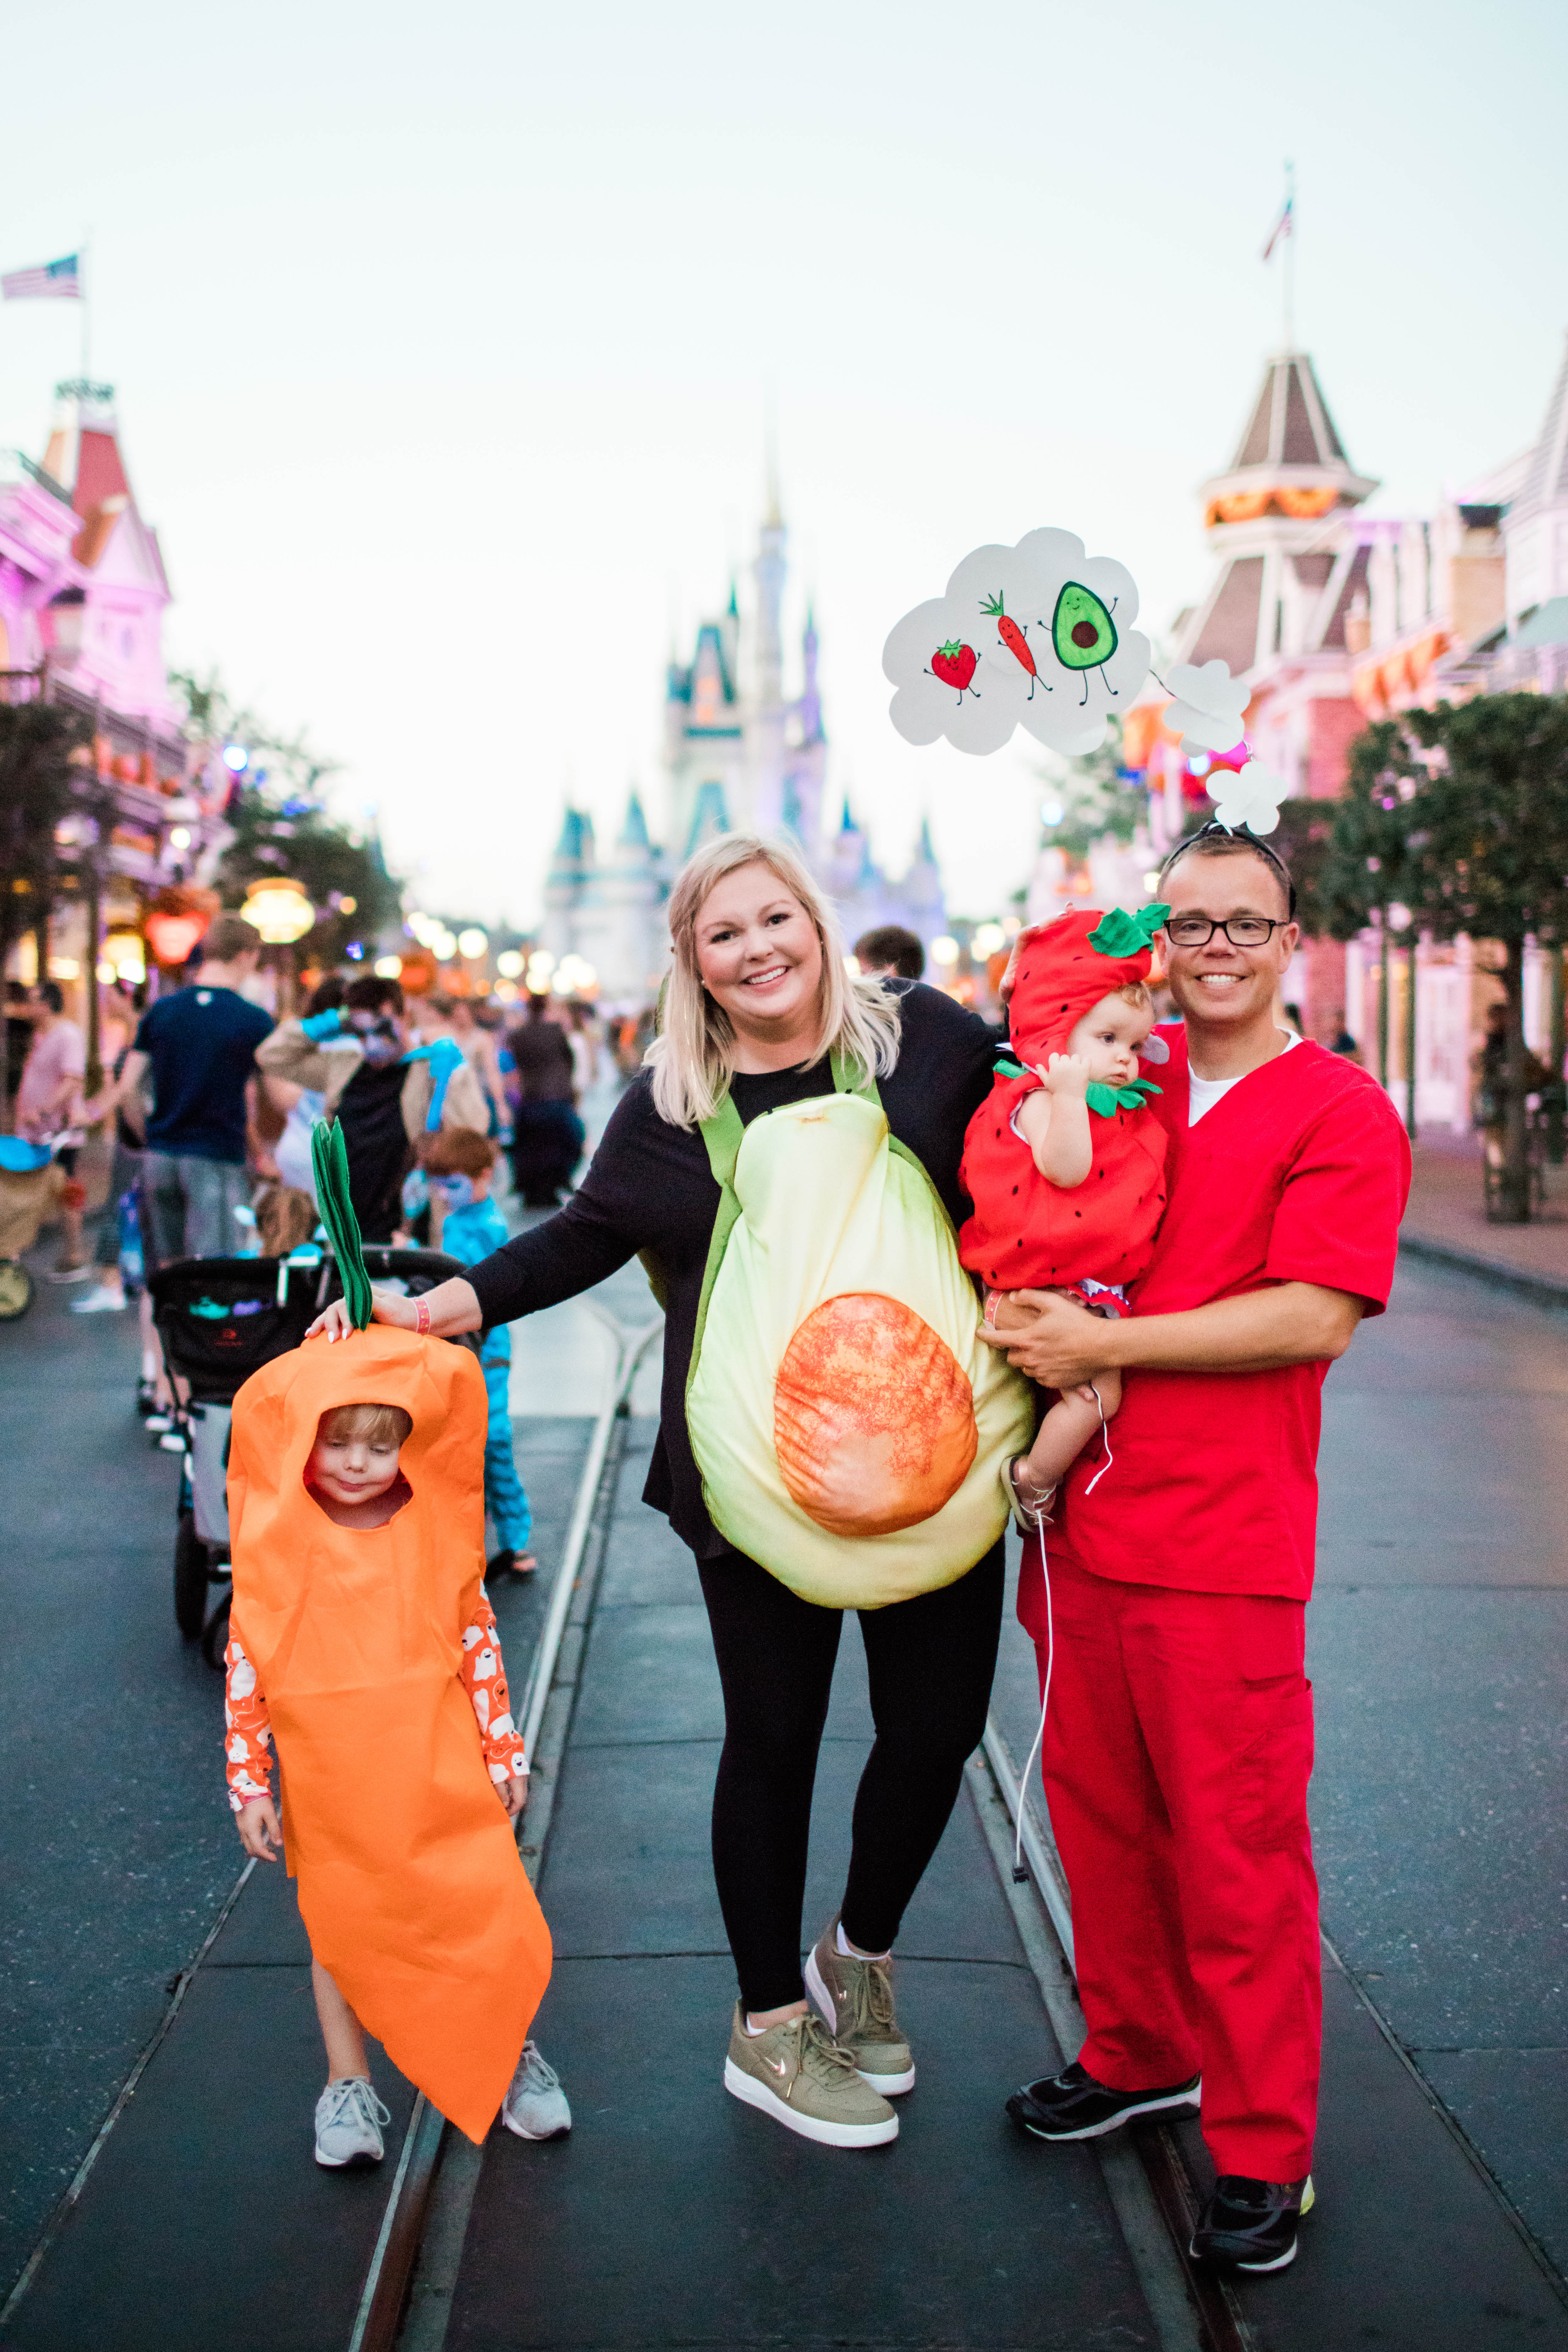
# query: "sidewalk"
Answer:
x=1446 y=1221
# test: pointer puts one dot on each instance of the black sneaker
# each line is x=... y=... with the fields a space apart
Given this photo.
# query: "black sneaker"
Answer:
x=1073 y=2106
x=1251 y=2224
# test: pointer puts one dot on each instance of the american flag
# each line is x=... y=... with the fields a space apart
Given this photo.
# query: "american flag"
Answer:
x=1284 y=227
x=59 y=281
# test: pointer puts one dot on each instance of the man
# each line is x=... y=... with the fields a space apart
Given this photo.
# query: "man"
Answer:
x=547 y=1133
x=1178 y=1739
x=197 y=1047
x=358 y=1060
x=890 y=952
x=47 y=1094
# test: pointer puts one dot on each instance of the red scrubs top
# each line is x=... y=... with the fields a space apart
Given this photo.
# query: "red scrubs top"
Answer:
x=1299 y=1173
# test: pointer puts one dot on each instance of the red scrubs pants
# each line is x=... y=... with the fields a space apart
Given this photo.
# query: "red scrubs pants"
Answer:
x=1176 y=1755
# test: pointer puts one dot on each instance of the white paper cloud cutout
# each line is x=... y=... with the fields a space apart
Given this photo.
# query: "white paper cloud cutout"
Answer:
x=1251 y=798
x=1209 y=708
x=987 y=656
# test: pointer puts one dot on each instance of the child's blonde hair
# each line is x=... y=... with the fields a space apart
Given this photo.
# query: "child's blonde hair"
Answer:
x=1136 y=992
x=377 y=1425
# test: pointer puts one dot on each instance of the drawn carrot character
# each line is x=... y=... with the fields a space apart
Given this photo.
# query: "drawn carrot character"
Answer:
x=1014 y=638
x=954 y=664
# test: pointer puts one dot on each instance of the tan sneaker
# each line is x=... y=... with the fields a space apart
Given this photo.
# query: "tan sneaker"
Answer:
x=794 y=2074
x=856 y=1998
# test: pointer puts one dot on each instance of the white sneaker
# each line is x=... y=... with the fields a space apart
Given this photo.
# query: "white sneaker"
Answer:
x=349 y=2117
x=101 y=1301
x=535 y=2108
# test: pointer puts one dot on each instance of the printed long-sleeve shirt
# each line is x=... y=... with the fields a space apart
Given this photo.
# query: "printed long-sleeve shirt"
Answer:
x=248 y=1726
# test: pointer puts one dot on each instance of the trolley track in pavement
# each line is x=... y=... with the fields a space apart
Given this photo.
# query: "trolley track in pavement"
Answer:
x=408 y=2292
x=1153 y=2174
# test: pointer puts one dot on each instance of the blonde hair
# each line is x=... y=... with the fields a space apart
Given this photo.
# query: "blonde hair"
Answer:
x=377 y=1425
x=694 y=1054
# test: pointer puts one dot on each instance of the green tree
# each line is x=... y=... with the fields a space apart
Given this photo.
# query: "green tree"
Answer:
x=39 y=781
x=1460 y=814
x=281 y=827
x=1096 y=795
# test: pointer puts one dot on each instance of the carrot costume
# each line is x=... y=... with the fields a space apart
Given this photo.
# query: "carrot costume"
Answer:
x=411 y=1886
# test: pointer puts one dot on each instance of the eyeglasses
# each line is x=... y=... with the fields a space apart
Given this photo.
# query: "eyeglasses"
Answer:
x=1241 y=930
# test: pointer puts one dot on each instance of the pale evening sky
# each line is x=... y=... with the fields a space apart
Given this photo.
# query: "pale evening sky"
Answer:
x=444 y=340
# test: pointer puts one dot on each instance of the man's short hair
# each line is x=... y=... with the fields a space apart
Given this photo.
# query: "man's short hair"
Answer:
x=227 y=936
x=1215 y=840
x=50 y=989
x=892 y=947
x=440 y=1003
x=326 y=996
x=371 y=993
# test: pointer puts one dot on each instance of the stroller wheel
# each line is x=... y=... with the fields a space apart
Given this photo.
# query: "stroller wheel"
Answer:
x=15 y=1289
x=215 y=1639
x=190 y=1577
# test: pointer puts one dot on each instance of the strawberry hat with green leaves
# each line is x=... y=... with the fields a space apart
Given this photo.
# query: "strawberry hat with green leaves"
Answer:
x=1059 y=971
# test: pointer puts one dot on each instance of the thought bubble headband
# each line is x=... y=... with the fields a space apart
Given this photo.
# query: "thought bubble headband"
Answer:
x=1038 y=635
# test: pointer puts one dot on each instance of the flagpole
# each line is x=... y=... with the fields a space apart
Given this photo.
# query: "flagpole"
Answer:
x=1290 y=271
x=86 y=309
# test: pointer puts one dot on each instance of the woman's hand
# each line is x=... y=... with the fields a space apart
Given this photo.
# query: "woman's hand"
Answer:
x=259 y=1830
x=452 y=1307
x=386 y=1306
x=513 y=1794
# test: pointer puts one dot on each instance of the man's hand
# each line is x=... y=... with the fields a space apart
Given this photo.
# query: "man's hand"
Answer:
x=513 y=1794
x=1067 y=1074
x=1259 y=1332
x=259 y=1829
x=1062 y=1347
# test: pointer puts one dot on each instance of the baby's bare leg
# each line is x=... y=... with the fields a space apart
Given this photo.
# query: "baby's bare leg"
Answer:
x=339 y=2028
x=1066 y=1430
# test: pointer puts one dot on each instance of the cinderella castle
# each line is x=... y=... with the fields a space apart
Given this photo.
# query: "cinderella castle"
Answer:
x=737 y=757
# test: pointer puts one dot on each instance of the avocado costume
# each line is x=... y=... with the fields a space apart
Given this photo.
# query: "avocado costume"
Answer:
x=411 y=1886
x=849 y=1423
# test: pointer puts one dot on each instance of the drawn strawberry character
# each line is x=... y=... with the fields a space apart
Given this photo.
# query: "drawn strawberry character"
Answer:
x=954 y=664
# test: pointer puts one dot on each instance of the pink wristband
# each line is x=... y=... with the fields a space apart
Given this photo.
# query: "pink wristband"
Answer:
x=421 y=1318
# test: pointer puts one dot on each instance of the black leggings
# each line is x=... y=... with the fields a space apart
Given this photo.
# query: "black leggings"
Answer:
x=930 y=1662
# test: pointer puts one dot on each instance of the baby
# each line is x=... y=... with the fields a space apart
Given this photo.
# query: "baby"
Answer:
x=354 y=1477
x=1064 y=1162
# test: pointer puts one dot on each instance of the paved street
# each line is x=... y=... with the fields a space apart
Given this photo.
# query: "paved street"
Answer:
x=1437 y=1647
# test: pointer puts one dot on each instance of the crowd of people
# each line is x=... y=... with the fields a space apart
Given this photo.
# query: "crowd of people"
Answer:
x=208 y=1105
x=914 y=1285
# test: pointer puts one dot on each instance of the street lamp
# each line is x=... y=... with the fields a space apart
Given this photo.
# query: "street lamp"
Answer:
x=279 y=910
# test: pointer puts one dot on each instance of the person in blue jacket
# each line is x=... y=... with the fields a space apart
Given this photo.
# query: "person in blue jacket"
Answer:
x=459 y=1165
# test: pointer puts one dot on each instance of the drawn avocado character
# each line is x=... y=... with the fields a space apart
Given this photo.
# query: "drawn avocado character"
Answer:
x=1082 y=631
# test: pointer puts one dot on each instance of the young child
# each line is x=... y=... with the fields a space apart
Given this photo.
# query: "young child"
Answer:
x=1063 y=1162
x=363 y=1642
x=459 y=1163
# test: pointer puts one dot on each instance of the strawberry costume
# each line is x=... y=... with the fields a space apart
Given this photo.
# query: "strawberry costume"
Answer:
x=1026 y=1232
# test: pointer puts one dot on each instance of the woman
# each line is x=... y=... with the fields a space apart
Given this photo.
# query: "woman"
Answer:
x=759 y=1013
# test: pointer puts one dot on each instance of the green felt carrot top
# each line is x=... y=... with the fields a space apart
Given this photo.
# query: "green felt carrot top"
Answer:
x=330 y=1165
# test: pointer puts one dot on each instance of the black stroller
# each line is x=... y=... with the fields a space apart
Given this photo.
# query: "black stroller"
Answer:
x=220 y=1319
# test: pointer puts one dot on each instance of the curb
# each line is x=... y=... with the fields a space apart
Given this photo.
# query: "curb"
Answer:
x=1539 y=1288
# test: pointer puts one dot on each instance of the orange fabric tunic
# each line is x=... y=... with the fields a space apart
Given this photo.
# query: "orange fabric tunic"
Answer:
x=411 y=1886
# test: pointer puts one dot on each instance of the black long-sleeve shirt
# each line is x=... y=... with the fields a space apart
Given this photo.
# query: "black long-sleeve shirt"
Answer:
x=650 y=1187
